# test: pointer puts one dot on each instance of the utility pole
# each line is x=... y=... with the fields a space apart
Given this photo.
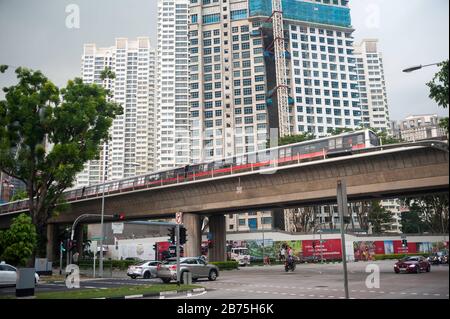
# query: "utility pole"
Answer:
x=343 y=211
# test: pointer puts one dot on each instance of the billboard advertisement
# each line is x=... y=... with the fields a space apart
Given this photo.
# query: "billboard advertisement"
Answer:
x=330 y=248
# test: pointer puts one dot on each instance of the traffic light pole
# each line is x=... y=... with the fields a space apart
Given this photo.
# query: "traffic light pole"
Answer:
x=177 y=234
x=343 y=211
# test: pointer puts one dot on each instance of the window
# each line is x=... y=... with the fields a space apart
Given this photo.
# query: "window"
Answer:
x=239 y=14
x=211 y=18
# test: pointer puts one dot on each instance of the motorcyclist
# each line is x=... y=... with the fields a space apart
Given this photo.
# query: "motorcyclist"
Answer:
x=290 y=258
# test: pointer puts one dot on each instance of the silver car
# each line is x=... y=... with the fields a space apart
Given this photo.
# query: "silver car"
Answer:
x=8 y=275
x=197 y=266
x=145 y=269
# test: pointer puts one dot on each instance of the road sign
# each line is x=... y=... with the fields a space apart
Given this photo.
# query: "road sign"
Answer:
x=179 y=218
x=117 y=228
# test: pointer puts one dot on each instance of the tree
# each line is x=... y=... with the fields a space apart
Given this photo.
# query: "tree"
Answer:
x=432 y=211
x=378 y=216
x=302 y=219
x=362 y=212
x=47 y=134
x=19 y=241
x=412 y=223
x=339 y=131
x=291 y=139
x=439 y=90
x=22 y=194
x=439 y=85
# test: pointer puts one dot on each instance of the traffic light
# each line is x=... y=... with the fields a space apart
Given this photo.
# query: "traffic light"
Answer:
x=119 y=216
x=171 y=234
x=72 y=244
x=183 y=239
x=404 y=243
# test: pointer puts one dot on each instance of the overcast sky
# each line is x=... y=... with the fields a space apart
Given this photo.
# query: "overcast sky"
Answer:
x=33 y=33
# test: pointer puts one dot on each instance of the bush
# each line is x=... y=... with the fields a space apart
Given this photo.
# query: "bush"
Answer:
x=398 y=256
x=226 y=265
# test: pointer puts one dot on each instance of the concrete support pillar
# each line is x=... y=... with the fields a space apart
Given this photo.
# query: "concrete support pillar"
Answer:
x=192 y=223
x=217 y=229
x=50 y=247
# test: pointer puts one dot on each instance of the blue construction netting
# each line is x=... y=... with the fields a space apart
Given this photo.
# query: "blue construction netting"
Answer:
x=304 y=11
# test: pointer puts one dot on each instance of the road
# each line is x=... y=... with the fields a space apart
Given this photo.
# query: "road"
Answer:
x=309 y=281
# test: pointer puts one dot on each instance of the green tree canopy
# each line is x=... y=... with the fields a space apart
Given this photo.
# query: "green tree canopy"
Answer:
x=47 y=134
x=432 y=212
x=18 y=242
x=412 y=223
x=19 y=195
x=292 y=139
x=439 y=86
x=378 y=216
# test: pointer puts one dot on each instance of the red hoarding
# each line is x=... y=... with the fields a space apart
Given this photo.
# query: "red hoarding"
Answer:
x=398 y=248
x=330 y=248
x=379 y=247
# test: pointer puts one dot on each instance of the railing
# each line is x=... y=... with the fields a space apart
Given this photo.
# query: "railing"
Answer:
x=150 y=181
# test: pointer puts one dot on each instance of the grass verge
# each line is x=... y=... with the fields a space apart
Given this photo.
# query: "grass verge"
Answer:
x=110 y=292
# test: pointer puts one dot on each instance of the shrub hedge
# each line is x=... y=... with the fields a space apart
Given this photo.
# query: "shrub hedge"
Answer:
x=226 y=265
x=399 y=256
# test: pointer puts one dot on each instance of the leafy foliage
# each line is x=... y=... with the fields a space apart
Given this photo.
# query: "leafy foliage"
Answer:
x=439 y=85
x=378 y=216
x=47 y=134
x=427 y=214
x=3 y=68
x=19 y=241
x=19 y=195
x=292 y=139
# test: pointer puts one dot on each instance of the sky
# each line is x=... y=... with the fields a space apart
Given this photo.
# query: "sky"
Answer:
x=34 y=33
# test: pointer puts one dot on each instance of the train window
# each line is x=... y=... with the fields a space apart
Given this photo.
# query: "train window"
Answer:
x=332 y=144
x=339 y=142
x=360 y=139
x=263 y=156
x=251 y=158
x=296 y=150
x=240 y=160
x=374 y=140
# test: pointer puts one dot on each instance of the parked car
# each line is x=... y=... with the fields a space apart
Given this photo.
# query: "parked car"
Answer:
x=8 y=275
x=197 y=266
x=413 y=264
x=145 y=269
x=439 y=257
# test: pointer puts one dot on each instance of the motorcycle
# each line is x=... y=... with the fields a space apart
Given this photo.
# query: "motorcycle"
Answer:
x=289 y=265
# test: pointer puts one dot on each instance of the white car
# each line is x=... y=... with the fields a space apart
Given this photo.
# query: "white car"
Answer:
x=146 y=270
x=8 y=275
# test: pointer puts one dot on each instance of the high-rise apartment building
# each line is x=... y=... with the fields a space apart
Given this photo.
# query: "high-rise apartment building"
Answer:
x=132 y=148
x=173 y=84
x=233 y=102
x=372 y=85
x=420 y=127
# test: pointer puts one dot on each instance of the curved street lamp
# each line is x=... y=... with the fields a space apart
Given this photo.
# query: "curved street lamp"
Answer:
x=418 y=67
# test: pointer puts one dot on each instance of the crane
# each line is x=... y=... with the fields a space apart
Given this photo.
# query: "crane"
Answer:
x=281 y=73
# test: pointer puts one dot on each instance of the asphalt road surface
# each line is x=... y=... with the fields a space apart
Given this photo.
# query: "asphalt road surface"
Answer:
x=308 y=281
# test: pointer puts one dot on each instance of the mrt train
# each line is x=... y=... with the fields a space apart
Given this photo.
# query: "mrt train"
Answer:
x=327 y=147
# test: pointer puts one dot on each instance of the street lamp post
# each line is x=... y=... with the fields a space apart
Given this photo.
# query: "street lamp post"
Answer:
x=320 y=246
x=418 y=67
x=100 y=262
